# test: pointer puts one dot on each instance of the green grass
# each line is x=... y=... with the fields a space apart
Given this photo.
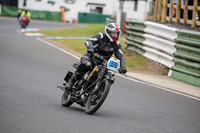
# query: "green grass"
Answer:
x=134 y=61
x=88 y=31
x=77 y=45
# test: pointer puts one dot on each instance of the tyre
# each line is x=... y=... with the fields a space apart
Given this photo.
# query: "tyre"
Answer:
x=94 y=101
x=23 y=26
x=65 y=101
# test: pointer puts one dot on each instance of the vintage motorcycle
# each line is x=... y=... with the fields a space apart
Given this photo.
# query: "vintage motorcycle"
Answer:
x=91 y=90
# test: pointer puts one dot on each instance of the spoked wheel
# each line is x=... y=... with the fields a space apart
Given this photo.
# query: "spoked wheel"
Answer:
x=96 y=99
x=65 y=101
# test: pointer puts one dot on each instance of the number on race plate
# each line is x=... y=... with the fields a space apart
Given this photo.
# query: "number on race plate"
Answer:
x=113 y=64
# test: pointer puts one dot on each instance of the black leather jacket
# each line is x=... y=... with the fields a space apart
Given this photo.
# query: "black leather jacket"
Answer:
x=101 y=45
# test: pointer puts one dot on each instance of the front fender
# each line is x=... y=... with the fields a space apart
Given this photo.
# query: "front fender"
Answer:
x=110 y=78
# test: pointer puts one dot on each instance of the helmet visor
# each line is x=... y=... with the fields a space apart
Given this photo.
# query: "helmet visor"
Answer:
x=115 y=35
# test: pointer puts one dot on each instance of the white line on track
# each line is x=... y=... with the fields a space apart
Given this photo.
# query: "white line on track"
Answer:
x=135 y=80
x=18 y=31
x=57 y=48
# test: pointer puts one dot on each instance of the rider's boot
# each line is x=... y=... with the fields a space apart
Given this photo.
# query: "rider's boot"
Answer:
x=72 y=80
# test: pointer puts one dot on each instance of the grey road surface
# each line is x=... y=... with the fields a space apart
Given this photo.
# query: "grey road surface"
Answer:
x=30 y=70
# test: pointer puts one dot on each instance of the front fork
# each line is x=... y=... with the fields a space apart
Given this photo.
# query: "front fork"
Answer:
x=109 y=76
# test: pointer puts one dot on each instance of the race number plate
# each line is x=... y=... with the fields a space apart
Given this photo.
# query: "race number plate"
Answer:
x=113 y=64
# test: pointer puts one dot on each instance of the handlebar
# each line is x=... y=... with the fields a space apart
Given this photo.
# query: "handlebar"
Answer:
x=103 y=61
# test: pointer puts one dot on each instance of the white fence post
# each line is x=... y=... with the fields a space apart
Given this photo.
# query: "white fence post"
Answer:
x=0 y=9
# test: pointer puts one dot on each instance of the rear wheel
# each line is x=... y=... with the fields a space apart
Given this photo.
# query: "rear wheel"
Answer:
x=96 y=99
x=66 y=101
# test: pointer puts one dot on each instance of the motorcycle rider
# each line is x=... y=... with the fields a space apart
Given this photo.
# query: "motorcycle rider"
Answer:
x=26 y=13
x=103 y=44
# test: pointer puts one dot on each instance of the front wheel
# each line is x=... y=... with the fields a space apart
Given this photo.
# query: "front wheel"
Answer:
x=95 y=100
x=66 y=101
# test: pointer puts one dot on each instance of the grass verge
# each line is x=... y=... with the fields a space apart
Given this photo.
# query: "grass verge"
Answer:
x=134 y=61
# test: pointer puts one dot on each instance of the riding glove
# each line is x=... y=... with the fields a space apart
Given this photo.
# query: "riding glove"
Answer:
x=122 y=70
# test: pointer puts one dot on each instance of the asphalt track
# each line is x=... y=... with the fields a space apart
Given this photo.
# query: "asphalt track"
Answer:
x=30 y=70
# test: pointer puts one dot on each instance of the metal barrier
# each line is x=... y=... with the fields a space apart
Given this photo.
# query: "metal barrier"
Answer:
x=179 y=50
x=109 y=20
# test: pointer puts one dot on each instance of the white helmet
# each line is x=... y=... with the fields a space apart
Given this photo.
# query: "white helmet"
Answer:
x=112 y=27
